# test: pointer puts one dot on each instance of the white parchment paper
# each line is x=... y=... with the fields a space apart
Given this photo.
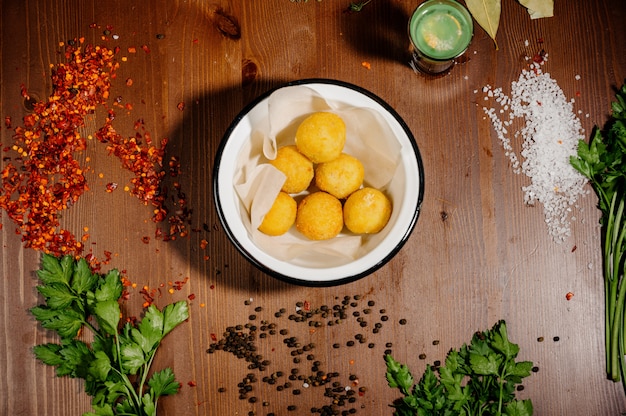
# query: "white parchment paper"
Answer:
x=368 y=138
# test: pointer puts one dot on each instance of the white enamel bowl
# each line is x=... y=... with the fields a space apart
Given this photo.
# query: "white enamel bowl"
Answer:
x=406 y=190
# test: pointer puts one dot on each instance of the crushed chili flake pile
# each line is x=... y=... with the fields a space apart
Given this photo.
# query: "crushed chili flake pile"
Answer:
x=548 y=138
x=50 y=179
x=140 y=156
x=46 y=178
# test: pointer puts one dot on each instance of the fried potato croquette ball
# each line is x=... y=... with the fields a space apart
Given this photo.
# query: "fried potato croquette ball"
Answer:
x=321 y=137
x=340 y=177
x=281 y=215
x=297 y=168
x=319 y=216
x=366 y=211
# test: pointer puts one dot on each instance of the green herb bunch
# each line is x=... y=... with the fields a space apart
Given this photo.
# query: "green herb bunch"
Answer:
x=477 y=379
x=603 y=162
x=116 y=364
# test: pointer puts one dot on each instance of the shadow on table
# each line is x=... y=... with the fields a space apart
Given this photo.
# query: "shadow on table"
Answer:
x=189 y=195
x=379 y=30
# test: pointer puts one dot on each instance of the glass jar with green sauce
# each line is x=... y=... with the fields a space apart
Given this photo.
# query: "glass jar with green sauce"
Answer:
x=440 y=31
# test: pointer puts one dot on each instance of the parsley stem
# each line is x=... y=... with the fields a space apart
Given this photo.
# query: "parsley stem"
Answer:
x=128 y=385
x=146 y=370
x=130 y=391
x=615 y=288
x=92 y=329
x=617 y=333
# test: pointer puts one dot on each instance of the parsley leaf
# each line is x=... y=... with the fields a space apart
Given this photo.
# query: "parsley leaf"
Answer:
x=479 y=378
x=163 y=383
x=76 y=298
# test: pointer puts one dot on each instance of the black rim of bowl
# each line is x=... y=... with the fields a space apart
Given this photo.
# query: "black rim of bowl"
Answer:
x=292 y=279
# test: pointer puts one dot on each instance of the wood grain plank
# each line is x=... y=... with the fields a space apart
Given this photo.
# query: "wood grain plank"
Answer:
x=478 y=254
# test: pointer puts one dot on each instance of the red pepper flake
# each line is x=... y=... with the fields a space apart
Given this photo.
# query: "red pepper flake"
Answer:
x=107 y=256
x=574 y=249
x=540 y=57
x=145 y=239
x=149 y=295
x=111 y=186
x=203 y=244
x=569 y=295
x=129 y=82
x=181 y=106
x=191 y=383
x=145 y=48
x=366 y=65
x=213 y=337
x=178 y=285
x=307 y=305
x=191 y=296
x=174 y=166
x=24 y=92
x=195 y=41
x=7 y=122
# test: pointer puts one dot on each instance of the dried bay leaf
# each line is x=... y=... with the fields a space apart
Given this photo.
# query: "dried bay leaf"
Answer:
x=539 y=8
x=487 y=15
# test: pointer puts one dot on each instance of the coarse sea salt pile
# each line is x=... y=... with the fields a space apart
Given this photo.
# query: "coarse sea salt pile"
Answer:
x=548 y=138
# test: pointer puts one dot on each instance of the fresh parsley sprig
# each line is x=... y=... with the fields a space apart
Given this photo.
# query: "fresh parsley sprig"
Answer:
x=603 y=162
x=477 y=379
x=357 y=6
x=116 y=364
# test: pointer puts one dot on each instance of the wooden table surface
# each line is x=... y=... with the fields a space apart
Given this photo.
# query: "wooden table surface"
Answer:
x=478 y=254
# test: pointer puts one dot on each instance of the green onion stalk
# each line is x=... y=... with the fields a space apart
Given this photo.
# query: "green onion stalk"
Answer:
x=603 y=162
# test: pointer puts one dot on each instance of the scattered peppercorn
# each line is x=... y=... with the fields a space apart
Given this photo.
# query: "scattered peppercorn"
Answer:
x=241 y=341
